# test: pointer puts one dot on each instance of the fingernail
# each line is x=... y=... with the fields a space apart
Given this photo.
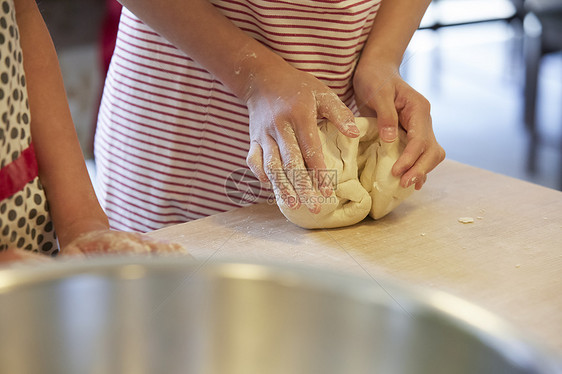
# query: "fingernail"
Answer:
x=315 y=208
x=311 y=202
x=352 y=129
x=388 y=134
x=412 y=181
x=326 y=191
x=295 y=203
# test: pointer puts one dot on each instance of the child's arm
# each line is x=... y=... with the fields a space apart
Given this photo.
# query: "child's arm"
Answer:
x=379 y=87
x=284 y=103
x=393 y=27
x=72 y=201
x=81 y=224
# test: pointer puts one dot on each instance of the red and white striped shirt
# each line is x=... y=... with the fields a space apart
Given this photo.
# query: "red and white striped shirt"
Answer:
x=171 y=140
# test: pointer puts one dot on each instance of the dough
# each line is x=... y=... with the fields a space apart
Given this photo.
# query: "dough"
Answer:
x=375 y=165
x=360 y=168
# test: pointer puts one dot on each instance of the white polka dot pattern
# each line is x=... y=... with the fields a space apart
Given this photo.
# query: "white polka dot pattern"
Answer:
x=24 y=217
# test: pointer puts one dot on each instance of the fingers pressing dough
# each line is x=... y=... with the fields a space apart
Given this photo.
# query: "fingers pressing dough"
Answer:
x=360 y=172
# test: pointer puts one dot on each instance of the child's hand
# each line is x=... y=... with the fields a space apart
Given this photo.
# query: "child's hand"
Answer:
x=379 y=88
x=118 y=242
x=14 y=255
x=285 y=105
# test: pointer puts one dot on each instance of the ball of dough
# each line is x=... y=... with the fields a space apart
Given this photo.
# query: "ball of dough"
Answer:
x=375 y=165
x=360 y=170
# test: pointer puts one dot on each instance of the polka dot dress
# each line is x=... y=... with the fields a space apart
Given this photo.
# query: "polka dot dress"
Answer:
x=24 y=216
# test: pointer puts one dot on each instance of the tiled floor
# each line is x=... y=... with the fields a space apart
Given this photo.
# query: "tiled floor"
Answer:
x=474 y=86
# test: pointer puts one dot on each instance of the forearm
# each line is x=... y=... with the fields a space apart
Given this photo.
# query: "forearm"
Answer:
x=393 y=27
x=207 y=36
x=72 y=201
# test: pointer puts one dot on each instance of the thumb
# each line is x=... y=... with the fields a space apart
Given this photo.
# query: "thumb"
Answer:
x=387 y=118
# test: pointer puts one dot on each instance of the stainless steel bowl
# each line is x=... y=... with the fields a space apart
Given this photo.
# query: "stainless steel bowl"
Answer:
x=173 y=316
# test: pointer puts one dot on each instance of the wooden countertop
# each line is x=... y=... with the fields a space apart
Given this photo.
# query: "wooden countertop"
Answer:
x=509 y=260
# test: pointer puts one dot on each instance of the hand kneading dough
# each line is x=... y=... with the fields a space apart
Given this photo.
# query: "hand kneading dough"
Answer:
x=364 y=183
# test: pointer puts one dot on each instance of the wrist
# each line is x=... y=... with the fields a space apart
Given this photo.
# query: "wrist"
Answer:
x=257 y=69
x=380 y=61
x=374 y=70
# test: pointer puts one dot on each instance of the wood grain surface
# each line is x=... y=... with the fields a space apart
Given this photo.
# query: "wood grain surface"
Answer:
x=509 y=260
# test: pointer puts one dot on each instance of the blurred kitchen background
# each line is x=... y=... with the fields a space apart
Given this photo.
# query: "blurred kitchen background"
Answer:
x=477 y=61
